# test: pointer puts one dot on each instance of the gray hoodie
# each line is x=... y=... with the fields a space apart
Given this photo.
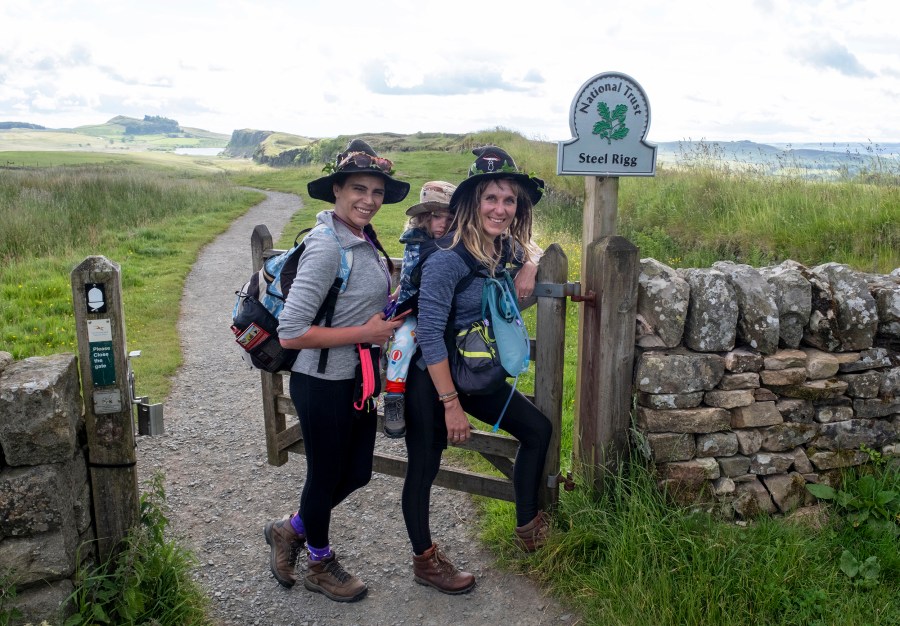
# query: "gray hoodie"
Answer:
x=366 y=294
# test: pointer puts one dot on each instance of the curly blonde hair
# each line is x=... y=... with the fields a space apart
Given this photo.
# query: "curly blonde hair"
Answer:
x=467 y=224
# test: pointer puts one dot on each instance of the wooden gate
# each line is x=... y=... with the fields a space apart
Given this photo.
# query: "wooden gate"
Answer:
x=547 y=352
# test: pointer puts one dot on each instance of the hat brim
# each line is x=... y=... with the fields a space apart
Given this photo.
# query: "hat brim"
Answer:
x=425 y=207
x=323 y=188
x=534 y=187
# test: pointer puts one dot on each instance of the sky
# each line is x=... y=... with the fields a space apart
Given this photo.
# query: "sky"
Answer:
x=761 y=70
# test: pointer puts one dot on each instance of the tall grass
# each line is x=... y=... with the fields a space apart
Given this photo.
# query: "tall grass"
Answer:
x=151 y=221
x=632 y=558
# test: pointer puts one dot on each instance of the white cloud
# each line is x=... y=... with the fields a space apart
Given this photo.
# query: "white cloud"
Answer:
x=764 y=71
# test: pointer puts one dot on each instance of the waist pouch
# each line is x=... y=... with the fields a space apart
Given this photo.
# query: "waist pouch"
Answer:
x=256 y=331
x=367 y=386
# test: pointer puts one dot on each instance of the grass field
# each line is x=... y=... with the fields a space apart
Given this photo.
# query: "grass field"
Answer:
x=627 y=558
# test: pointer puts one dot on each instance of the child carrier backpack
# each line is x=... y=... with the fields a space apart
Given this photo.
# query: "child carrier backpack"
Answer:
x=260 y=302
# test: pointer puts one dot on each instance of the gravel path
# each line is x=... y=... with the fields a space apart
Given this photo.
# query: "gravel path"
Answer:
x=221 y=490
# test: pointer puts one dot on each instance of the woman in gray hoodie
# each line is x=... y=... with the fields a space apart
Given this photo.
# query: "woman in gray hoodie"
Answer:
x=338 y=432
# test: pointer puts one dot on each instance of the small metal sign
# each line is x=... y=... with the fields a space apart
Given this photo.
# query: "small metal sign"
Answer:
x=107 y=401
x=95 y=296
x=609 y=119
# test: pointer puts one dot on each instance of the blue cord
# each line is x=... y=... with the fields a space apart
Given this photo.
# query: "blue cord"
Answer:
x=503 y=412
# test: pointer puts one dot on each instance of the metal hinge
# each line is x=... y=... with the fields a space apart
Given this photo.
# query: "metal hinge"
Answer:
x=564 y=290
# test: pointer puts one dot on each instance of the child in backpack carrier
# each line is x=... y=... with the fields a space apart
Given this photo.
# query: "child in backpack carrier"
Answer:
x=429 y=219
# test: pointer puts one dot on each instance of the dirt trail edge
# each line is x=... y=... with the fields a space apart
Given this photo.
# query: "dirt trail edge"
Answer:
x=221 y=490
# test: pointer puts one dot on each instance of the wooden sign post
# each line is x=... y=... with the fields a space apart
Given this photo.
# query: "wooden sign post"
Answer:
x=100 y=330
x=609 y=119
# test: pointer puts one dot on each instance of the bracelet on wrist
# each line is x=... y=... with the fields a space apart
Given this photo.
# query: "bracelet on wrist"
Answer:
x=447 y=397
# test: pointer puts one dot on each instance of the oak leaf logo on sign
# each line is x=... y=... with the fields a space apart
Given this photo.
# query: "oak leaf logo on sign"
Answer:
x=611 y=125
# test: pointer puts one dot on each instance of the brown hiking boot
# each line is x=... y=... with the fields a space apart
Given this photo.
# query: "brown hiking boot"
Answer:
x=286 y=545
x=330 y=579
x=533 y=535
x=433 y=568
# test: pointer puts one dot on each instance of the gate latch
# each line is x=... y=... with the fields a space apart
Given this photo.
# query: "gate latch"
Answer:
x=564 y=290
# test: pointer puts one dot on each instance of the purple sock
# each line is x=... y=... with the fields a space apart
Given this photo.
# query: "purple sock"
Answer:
x=318 y=554
x=297 y=524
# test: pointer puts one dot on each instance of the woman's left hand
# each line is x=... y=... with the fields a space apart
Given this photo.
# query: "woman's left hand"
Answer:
x=524 y=281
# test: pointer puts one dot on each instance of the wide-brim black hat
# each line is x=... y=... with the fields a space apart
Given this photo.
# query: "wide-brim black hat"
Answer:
x=358 y=158
x=491 y=163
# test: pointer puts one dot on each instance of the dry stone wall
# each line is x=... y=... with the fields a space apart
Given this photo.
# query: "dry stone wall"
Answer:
x=46 y=526
x=751 y=382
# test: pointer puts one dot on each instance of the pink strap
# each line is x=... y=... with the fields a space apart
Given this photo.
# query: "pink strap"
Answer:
x=368 y=377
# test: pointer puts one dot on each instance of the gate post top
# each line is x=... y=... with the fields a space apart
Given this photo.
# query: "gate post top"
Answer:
x=96 y=264
x=613 y=243
x=262 y=235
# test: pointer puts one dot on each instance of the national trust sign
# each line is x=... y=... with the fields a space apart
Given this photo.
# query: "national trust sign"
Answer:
x=609 y=120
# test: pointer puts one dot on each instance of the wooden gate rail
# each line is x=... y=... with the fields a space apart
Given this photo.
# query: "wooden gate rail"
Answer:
x=499 y=450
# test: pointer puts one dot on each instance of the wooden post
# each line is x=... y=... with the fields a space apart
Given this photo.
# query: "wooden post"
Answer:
x=272 y=384
x=549 y=362
x=606 y=356
x=100 y=330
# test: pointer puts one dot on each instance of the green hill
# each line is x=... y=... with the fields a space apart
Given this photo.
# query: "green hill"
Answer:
x=118 y=134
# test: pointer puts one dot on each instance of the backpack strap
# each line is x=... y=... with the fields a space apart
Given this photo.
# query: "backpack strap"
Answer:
x=338 y=286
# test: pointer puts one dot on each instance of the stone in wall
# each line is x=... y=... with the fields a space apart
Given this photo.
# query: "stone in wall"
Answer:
x=736 y=465
x=697 y=420
x=678 y=372
x=876 y=407
x=801 y=461
x=826 y=414
x=834 y=459
x=752 y=499
x=764 y=395
x=866 y=360
x=758 y=320
x=670 y=400
x=886 y=291
x=792 y=293
x=39 y=410
x=780 y=378
x=741 y=360
x=731 y=382
x=852 y=434
x=711 y=323
x=717 y=444
x=756 y=414
x=844 y=315
x=663 y=298
x=749 y=440
x=796 y=410
x=862 y=384
x=668 y=447
x=813 y=389
x=44 y=604
x=787 y=490
x=729 y=399
x=784 y=437
x=890 y=384
x=819 y=364
x=768 y=463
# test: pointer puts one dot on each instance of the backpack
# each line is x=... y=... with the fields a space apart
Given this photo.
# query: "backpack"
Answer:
x=429 y=246
x=260 y=301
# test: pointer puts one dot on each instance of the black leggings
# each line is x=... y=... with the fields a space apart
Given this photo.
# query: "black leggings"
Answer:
x=426 y=438
x=339 y=443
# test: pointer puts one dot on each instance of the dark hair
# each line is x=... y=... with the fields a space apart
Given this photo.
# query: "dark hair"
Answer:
x=369 y=230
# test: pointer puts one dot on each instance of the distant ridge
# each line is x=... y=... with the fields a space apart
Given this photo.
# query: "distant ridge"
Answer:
x=11 y=125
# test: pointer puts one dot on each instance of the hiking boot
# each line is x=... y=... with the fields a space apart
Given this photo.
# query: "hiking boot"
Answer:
x=394 y=420
x=433 y=568
x=333 y=581
x=286 y=545
x=534 y=534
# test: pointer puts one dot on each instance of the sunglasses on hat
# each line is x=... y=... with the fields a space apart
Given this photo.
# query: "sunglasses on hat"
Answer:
x=361 y=159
